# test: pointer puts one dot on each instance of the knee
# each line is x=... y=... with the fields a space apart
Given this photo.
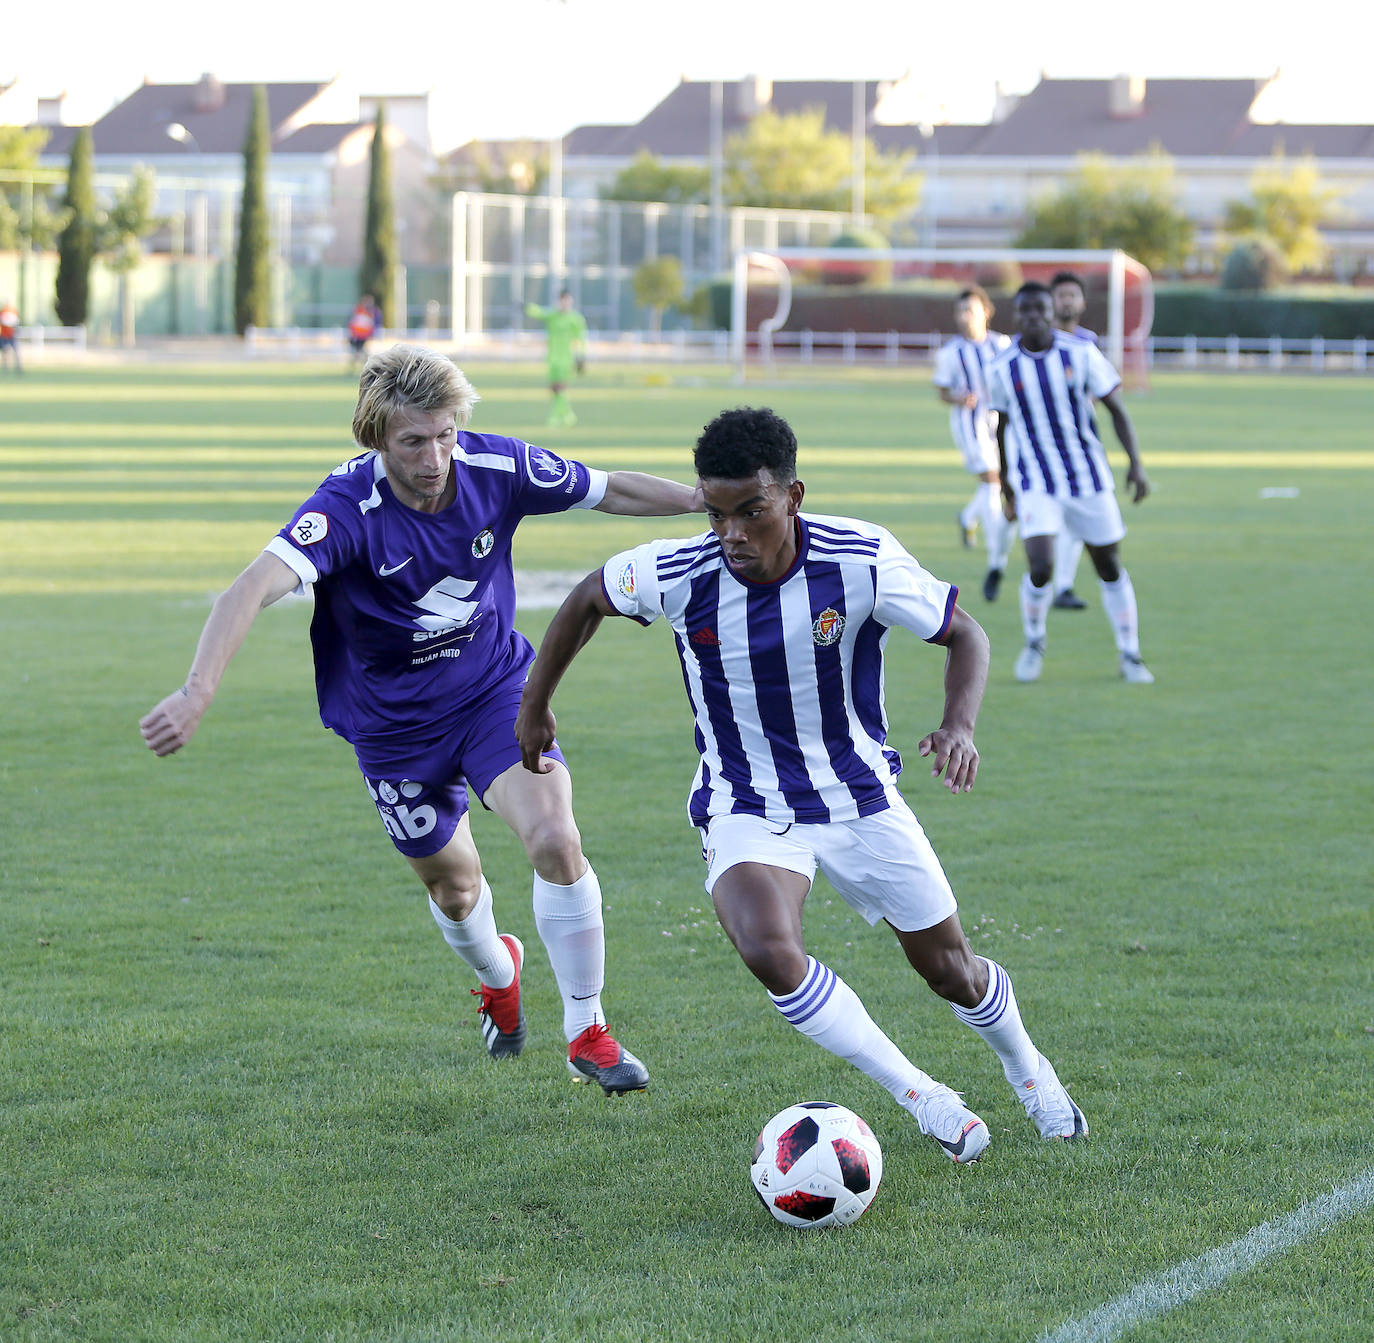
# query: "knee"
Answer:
x=554 y=847
x=956 y=975
x=456 y=893
x=1107 y=563
x=1040 y=571
x=776 y=962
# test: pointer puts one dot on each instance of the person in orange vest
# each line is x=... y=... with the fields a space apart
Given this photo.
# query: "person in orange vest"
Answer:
x=9 y=334
x=363 y=323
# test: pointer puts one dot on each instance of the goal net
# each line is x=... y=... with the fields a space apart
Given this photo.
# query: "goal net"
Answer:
x=798 y=304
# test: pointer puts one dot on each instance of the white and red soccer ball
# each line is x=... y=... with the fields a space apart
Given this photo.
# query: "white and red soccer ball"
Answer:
x=816 y=1165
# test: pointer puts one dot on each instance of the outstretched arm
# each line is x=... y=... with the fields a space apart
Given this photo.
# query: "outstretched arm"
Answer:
x=966 y=677
x=1125 y=431
x=573 y=625
x=634 y=494
x=1008 y=494
x=169 y=725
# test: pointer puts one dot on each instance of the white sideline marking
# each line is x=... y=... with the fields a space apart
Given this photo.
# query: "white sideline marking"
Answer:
x=1195 y=1276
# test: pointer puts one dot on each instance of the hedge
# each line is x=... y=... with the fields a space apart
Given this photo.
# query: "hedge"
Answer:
x=1180 y=310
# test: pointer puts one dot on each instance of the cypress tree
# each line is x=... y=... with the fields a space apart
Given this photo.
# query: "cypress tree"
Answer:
x=77 y=242
x=253 y=268
x=378 y=274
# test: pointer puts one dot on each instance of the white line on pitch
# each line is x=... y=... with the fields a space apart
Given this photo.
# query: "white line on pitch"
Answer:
x=1194 y=1276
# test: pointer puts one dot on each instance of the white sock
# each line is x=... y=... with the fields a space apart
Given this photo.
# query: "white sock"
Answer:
x=1118 y=601
x=825 y=1009
x=1035 y=608
x=1068 y=550
x=997 y=531
x=569 y=922
x=998 y=1021
x=476 y=940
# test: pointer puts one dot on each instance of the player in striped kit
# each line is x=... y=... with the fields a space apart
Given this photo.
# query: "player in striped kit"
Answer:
x=1066 y=293
x=960 y=382
x=1055 y=474
x=780 y=620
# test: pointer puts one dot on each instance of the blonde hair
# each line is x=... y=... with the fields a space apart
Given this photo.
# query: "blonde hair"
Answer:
x=408 y=377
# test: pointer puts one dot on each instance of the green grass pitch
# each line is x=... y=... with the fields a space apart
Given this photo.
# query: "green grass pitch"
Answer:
x=242 y=1090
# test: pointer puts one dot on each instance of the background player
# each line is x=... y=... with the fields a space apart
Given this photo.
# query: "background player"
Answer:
x=9 y=335
x=1070 y=302
x=780 y=619
x=567 y=333
x=418 y=665
x=959 y=380
x=364 y=324
x=1055 y=474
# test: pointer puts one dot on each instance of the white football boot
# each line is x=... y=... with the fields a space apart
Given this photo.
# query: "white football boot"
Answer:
x=1050 y=1106
x=1030 y=660
x=942 y=1115
x=1135 y=671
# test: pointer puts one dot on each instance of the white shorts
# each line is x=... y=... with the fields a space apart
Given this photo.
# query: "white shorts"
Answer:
x=883 y=865
x=975 y=435
x=1093 y=518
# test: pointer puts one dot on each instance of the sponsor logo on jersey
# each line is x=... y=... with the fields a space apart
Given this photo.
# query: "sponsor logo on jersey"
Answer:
x=705 y=638
x=546 y=468
x=387 y=793
x=626 y=581
x=828 y=627
x=482 y=544
x=386 y=570
x=309 y=528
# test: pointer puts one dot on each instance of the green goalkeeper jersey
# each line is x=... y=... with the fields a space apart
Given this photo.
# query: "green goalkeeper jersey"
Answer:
x=567 y=337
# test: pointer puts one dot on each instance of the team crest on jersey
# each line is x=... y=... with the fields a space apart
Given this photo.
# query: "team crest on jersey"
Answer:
x=482 y=544
x=827 y=627
x=309 y=528
x=546 y=468
x=626 y=581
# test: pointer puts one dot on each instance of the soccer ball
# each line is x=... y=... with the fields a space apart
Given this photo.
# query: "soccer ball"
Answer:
x=816 y=1164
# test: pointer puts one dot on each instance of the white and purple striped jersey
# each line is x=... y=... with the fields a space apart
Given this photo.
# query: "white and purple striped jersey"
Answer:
x=961 y=367
x=414 y=612
x=1051 y=437
x=785 y=679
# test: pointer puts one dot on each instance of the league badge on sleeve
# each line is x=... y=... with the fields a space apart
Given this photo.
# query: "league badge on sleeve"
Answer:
x=827 y=627
x=309 y=528
x=626 y=581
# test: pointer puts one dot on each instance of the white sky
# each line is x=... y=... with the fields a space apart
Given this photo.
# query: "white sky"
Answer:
x=509 y=68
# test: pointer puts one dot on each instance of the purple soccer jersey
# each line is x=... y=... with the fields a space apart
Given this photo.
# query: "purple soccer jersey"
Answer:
x=414 y=612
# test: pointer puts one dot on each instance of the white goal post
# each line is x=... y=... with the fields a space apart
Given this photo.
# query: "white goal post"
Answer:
x=1129 y=311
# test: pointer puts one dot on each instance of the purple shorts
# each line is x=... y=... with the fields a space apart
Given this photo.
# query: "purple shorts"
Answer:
x=421 y=813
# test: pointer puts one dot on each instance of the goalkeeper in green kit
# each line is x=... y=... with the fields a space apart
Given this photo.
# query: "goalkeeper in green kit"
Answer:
x=567 y=330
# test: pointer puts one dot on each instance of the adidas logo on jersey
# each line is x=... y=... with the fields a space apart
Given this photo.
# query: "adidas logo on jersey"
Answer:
x=705 y=638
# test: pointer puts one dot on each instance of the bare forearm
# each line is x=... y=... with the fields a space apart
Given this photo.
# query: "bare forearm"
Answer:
x=966 y=675
x=635 y=494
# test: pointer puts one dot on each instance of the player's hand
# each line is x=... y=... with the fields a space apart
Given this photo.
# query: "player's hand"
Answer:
x=1138 y=481
x=168 y=726
x=969 y=401
x=1009 y=505
x=534 y=730
x=955 y=755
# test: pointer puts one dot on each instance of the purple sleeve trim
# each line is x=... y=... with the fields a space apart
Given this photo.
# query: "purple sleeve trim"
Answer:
x=943 y=632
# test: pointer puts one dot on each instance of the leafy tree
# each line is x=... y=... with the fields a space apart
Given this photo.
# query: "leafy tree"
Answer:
x=381 y=260
x=1254 y=264
x=1128 y=205
x=658 y=285
x=511 y=168
x=793 y=162
x=78 y=242
x=119 y=238
x=26 y=217
x=646 y=178
x=1287 y=204
x=253 y=264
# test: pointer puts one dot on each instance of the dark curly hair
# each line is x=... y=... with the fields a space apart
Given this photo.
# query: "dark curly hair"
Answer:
x=1031 y=287
x=739 y=442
